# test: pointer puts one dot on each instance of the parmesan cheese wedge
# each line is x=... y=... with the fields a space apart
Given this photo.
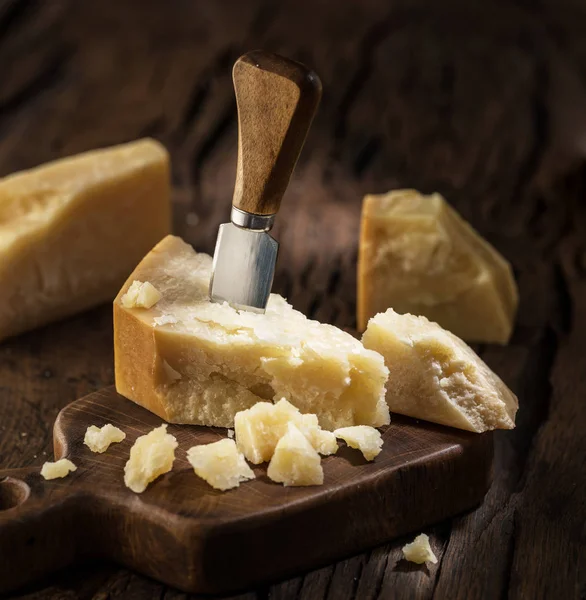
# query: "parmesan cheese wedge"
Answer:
x=417 y=255
x=192 y=361
x=72 y=230
x=435 y=376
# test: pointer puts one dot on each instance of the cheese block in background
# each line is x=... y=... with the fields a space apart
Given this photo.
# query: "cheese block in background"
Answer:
x=72 y=230
x=417 y=255
x=435 y=376
x=191 y=361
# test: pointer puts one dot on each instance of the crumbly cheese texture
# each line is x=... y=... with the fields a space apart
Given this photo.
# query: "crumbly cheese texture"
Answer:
x=259 y=429
x=142 y=295
x=362 y=437
x=435 y=376
x=98 y=439
x=72 y=230
x=419 y=551
x=151 y=456
x=57 y=469
x=295 y=461
x=210 y=361
x=221 y=464
x=417 y=255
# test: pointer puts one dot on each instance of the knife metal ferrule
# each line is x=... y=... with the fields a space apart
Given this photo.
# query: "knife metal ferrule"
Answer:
x=246 y=220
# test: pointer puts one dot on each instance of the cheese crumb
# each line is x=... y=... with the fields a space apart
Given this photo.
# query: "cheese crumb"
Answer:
x=170 y=372
x=99 y=439
x=362 y=437
x=419 y=550
x=58 y=469
x=295 y=461
x=165 y=320
x=259 y=428
x=152 y=455
x=220 y=464
x=231 y=433
x=141 y=295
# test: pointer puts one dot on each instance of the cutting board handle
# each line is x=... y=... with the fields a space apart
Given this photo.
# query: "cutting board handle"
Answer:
x=37 y=527
x=277 y=99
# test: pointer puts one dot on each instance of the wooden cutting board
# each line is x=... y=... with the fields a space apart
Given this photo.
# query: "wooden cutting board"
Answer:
x=186 y=534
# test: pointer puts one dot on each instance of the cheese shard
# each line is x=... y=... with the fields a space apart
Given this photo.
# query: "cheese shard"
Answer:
x=151 y=455
x=98 y=439
x=72 y=230
x=259 y=429
x=362 y=437
x=143 y=295
x=417 y=255
x=419 y=551
x=223 y=361
x=435 y=376
x=220 y=464
x=57 y=469
x=295 y=461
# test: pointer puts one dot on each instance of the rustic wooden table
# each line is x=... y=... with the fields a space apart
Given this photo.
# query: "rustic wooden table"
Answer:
x=484 y=102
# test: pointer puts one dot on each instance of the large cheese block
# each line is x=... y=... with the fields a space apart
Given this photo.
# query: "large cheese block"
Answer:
x=417 y=255
x=71 y=231
x=192 y=361
x=435 y=376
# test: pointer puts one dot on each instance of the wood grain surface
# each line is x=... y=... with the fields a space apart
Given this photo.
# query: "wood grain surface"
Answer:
x=183 y=532
x=481 y=101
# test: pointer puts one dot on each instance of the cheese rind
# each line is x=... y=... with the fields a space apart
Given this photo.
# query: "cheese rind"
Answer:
x=151 y=456
x=435 y=376
x=417 y=255
x=98 y=439
x=227 y=361
x=220 y=464
x=366 y=439
x=295 y=461
x=58 y=469
x=419 y=551
x=72 y=230
x=259 y=429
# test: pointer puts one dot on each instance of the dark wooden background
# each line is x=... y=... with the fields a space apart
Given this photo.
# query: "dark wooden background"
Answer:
x=483 y=101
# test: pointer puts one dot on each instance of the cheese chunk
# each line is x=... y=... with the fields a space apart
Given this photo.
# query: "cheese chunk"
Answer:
x=362 y=437
x=220 y=464
x=417 y=255
x=152 y=455
x=58 y=469
x=72 y=230
x=259 y=428
x=143 y=295
x=223 y=361
x=435 y=376
x=98 y=439
x=295 y=461
x=419 y=550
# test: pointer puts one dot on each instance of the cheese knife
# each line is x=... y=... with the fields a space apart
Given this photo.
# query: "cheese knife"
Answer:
x=277 y=99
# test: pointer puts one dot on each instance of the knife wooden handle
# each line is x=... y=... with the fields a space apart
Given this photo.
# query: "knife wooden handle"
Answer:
x=277 y=99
